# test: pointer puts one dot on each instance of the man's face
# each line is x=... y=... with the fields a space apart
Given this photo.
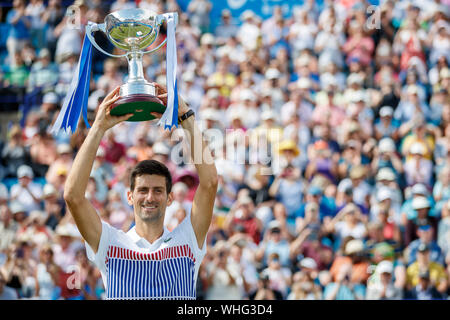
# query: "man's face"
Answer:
x=426 y=235
x=149 y=198
x=424 y=282
x=423 y=257
x=24 y=181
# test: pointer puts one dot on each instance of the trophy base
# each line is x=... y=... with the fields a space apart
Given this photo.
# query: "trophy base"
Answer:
x=139 y=104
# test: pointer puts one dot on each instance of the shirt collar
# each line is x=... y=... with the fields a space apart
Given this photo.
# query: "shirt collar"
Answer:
x=142 y=242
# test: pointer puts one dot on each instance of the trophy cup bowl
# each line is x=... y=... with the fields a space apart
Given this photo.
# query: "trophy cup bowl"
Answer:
x=132 y=30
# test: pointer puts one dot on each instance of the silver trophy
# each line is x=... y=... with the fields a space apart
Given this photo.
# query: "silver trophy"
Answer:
x=132 y=30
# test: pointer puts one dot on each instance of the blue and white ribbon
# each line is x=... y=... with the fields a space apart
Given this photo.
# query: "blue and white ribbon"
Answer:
x=76 y=98
x=170 y=116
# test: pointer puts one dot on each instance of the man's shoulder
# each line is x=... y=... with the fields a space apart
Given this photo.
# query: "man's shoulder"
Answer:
x=436 y=266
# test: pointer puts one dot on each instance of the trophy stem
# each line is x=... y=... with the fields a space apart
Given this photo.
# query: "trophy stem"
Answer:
x=135 y=67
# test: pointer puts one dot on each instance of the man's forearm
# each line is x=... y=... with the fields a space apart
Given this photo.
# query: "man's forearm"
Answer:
x=79 y=174
x=200 y=153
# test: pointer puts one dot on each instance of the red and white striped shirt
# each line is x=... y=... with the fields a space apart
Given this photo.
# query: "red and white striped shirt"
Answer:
x=133 y=268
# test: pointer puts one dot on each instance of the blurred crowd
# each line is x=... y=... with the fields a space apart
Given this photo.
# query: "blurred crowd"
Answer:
x=334 y=157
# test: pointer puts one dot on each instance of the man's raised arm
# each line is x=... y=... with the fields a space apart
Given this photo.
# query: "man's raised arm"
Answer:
x=84 y=214
x=203 y=204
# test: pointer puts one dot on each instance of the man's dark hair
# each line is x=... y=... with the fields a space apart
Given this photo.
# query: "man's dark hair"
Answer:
x=151 y=167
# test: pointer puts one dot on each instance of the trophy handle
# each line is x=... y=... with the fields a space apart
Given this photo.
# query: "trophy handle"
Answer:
x=160 y=19
x=92 y=27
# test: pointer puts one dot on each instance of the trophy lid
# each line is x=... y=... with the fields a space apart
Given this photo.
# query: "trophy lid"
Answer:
x=132 y=29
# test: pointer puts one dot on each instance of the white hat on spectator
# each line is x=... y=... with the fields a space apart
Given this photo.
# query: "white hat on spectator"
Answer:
x=207 y=38
x=272 y=73
x=412 y=89
x=180 y=187
x=94 y=99
x=386 y=145
x=16 y=207
x=328 y=80
x=417 y=148
x=188 y=76
x=308 y=263
x=385 y=267
x=383 y=194
x=354 y=78
x=25 y=171
x=235 y=114
x=161 y=79
x=67 y=230
x=354 y=246
x=226 y=13
x=444 y=73
x=247 y=14
x=302 y=61
x=44 y=53
x=268 y=114
x=50 y=97
x=64 y=148
x=274 y=224
x=386 y=111
x=160 y=148
x=419 y=188
x=357 y=96
x=247 y=94
x=213 y=93
x=38 y=215
x=245 y=200
x=385 y=174
x=303 y=83
x=420 y=203
x=210 y=114
x=49 y=190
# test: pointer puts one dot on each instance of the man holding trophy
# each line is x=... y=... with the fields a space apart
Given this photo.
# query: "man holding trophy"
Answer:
x=147 y=262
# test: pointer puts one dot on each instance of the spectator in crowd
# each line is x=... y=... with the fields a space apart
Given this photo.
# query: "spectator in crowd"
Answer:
x=199 y=14
x=226 y=29
x=68 y=38
x=343 y=288
x=264 y=291
x=223 y=282
x=279 y=277
x=61 y=165
x=15 y=153
x=354 y=258
x=424 y=268
x=180 y=202
x=8 y=227
x=47 y=275
x=422 y=206
x=383 y=288
x=443 y=235
x=27 y=192
x=19 y=29
x=425 y=236
x=424 y=290
x=274 y=241
x=43 y=152
x=243 y=214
